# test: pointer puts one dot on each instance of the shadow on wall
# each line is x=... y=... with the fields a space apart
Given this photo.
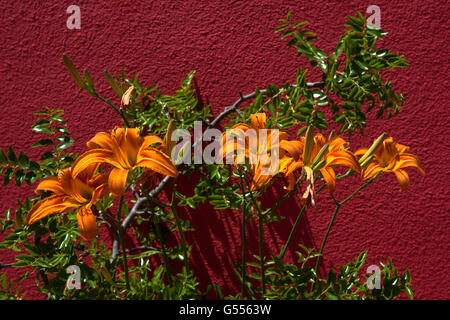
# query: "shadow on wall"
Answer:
x=217 y=243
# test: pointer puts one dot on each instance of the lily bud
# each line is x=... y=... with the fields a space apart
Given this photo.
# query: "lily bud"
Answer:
x=73 y=72
x=320 y=155
x=319 y=165
x=113 y=84
x=332 y=135
x=373 y=148
x=168 y=137
x=366 y=162
x=309 y=143
x=126 y=97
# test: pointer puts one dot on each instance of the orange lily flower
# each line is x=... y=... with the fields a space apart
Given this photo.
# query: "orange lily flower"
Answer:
x=125 y=150
x=166 y=146
x=257 y=153
x=68 y=192
x=337 y=154
x=391 y=157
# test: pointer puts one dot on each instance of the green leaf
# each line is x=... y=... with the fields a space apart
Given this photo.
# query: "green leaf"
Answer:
x=60 y=120
x=3 y=158
x=41 y=122
x=302 y=130
x=42 y=143
x=30 y=177
x=62 y=130
x=42 y=129
x=34 y=166
x=7 y=175
x=41 y=113
x=48 y=155
x=66 y=143
x=23 y=159
x=282 y=27
x=8 y=214
x=299 y=117
x=11 y=155
x=20 y=175
x=67 y=158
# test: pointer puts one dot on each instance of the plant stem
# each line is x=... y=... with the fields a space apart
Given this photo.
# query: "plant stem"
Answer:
x=336 y=210
x=161 y=243
x=261 y=253
x=108 y=102
x=244 y=239
x=179 y=226
x=294 y=228
x=260 y=236
x=122 y=243
x=338 y=206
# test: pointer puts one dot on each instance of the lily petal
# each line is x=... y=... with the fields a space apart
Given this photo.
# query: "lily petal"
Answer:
x=93 y=156
x=371 y=170
x=345 y=158
x=258 y=120
x=409 y=160
x=50 y=184
x=360 y=151
x=329 y=176
x=117 y=181
x=402 y=178
x=48 y=206
x=101 y=140
x=86 y=223
x=158 y=161
x=293 y=147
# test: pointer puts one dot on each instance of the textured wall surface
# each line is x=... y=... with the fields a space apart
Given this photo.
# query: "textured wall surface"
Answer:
x=233 y=47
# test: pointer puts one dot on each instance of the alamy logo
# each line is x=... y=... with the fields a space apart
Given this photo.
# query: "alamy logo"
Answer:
x=374 y=21
x=74 y=280
x=374 y=280
x=74 y=20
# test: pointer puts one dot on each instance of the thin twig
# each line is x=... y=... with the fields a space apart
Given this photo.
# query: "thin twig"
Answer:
x=5 y=265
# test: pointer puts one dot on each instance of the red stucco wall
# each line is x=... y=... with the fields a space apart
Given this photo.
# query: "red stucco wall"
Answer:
x=233 y=47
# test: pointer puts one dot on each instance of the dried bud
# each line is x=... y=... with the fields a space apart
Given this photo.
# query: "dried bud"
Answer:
x=126 y=98
x=309 y=196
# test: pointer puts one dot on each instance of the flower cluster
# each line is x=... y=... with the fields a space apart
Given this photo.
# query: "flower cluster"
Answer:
x=81 y=186
x=124 y=150
x=314 y=153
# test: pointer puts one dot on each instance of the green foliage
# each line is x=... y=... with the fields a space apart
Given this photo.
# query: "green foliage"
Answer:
x=351 y=73
x=19 y=166
x=300 y=281
x=351 y=86
x=7 y=291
